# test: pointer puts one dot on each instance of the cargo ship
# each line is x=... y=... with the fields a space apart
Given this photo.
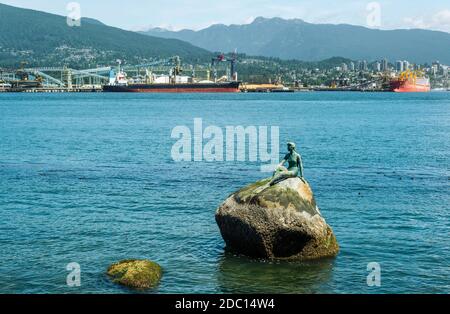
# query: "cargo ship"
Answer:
x=206 y=87
x=410 y=82
x=174 y=82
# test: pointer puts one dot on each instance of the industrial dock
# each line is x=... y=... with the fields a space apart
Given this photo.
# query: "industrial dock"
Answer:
x=220 y=75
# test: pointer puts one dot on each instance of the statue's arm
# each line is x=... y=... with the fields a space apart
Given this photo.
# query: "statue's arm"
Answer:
x=300 y=165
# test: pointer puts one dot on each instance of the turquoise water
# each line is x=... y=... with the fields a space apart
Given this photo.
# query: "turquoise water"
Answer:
x=89 y=178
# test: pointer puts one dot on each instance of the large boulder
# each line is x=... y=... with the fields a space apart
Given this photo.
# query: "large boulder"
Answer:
x=138 y=274
x=276 y=222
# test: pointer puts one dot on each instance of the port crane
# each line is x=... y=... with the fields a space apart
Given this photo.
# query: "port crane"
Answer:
x=222 y=58
x=176 y=70
x=64 y=77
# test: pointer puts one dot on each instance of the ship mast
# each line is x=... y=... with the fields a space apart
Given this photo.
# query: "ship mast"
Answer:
x=177 y=69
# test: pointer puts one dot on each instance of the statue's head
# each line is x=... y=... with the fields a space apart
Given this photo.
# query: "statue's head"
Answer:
x=291 y=146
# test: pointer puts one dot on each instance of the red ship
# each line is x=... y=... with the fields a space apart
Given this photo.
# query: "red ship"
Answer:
x=410 y=82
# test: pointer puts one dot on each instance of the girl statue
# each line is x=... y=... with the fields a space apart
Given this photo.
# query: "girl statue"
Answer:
x=295 y=166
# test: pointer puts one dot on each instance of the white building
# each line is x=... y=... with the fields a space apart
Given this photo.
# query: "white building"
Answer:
x=352 y=66
x=377 y=66
x=344 y=67
x=406 y=65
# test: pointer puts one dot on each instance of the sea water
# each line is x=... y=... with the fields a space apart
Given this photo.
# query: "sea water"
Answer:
x=90 y=179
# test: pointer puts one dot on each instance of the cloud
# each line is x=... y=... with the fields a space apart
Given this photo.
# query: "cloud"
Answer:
x=415 y=22
x=442 y=19
x=438 y=21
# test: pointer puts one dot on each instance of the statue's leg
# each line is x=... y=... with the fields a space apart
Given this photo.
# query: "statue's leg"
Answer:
x=283 y=176
x=276 y=179
x=276 y=175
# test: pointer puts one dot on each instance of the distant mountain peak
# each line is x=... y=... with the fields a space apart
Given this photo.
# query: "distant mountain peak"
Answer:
x=160 y=29
x=261 y=19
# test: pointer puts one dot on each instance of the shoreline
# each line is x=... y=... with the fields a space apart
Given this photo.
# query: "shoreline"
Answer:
x=99 y=90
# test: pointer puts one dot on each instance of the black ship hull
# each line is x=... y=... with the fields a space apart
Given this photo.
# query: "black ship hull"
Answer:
x=229 y=87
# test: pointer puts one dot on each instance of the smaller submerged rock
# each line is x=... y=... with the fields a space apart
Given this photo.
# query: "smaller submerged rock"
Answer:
x=139 y=274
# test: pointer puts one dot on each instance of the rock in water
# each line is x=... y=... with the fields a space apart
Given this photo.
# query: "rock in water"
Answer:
x=139 y=274
x=276 y=222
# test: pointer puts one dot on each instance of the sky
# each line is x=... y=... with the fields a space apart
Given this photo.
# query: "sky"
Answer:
x=198 y=14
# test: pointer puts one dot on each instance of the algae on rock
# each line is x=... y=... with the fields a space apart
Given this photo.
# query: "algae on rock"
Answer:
x=139 y=274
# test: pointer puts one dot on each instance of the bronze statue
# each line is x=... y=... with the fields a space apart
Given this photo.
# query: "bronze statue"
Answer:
x=295 y=166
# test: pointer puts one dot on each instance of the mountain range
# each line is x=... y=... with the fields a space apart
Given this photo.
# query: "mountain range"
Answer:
x=297 y=39
x=44 y=39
